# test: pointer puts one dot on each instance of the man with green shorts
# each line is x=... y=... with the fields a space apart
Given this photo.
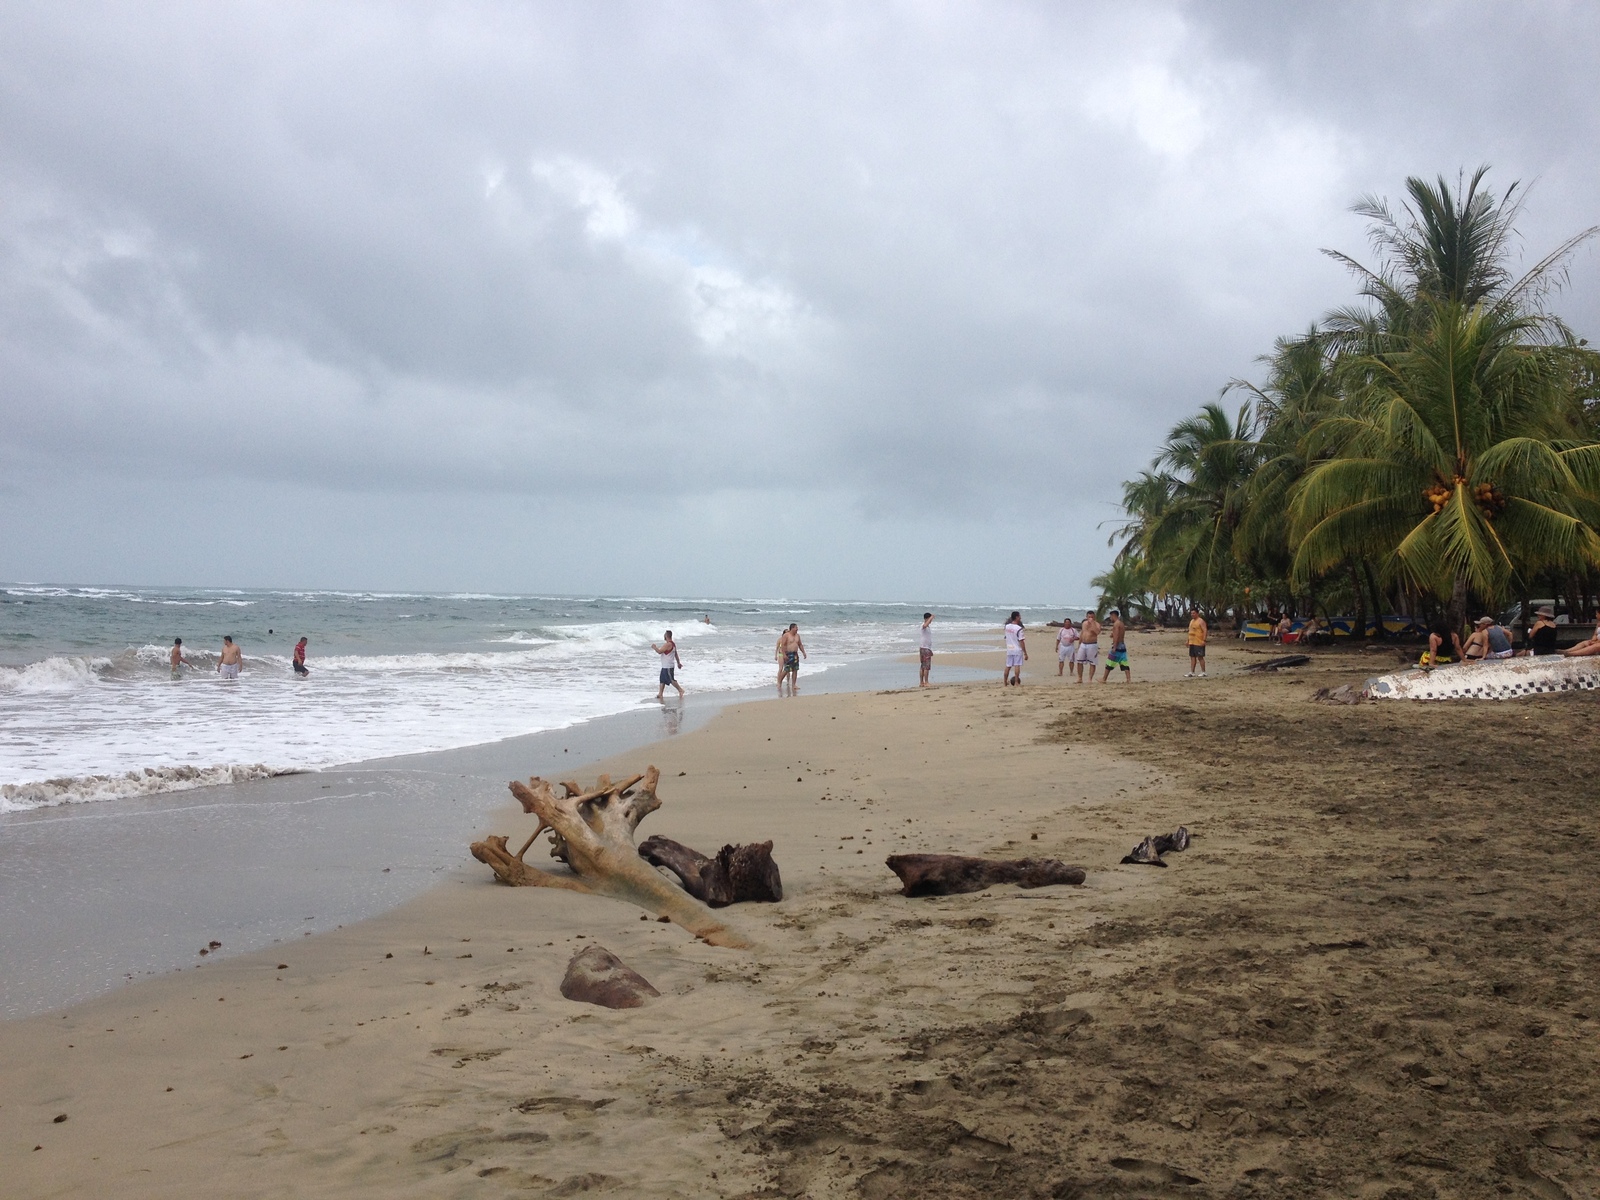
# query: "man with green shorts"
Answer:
x=1119 y=649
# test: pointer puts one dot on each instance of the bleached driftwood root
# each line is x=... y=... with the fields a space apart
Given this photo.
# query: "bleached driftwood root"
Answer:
x=592 y=832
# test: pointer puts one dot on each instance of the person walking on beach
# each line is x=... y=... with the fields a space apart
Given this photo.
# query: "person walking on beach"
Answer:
x=1119 y=649
x=1066 y=646
x=792 y=649
x=670 y=662
x=177 y=659
x=1016 y=652
x=300 y=659
x=1088 y=646
x=232 y=656
x=1198 y=632
x=925 y=647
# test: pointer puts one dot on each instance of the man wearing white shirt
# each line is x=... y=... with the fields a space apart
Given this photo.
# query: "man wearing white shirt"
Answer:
x=1016 y=651
x=925 y=646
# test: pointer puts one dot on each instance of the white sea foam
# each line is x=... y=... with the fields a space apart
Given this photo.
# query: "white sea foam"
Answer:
x=391 y=674
x=20 y=797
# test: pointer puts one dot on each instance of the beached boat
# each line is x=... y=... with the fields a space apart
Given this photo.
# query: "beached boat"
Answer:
x=1505 y=679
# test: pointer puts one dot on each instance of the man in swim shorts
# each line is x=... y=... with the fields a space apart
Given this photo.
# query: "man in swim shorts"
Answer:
x=670 y=662
x=1119 y=649
x=300 y=659
x=1066 y=645
x=1016 y=652
x=925 y=647
x=792 y=649
x=1199 y=631
x=177 y=659
x=232 y=656
x=1088 y=652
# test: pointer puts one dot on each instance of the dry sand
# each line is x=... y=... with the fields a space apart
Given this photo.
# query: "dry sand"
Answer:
x=1373 y=974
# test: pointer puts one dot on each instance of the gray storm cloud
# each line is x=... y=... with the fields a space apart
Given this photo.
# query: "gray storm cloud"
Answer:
x=820 y=287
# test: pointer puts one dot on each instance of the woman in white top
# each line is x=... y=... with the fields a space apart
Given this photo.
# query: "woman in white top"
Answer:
x=1066 y=643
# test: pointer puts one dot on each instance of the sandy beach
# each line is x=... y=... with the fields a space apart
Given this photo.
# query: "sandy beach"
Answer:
x=1372 y=974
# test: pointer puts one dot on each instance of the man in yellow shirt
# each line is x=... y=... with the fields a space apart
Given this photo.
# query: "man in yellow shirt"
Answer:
x=1197 y=643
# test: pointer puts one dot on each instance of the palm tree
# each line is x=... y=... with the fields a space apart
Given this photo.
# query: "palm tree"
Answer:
x=1458 y=459
x=1207 y=462
x=1125 y=587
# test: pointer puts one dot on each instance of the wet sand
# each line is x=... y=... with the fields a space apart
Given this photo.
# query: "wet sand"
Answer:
x=1372 y=974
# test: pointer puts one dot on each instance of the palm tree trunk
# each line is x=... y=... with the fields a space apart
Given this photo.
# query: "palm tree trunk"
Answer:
x=1360 y=630
x=1457 y=613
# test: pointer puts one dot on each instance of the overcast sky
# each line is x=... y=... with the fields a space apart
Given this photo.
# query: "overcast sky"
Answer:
x=824 y=300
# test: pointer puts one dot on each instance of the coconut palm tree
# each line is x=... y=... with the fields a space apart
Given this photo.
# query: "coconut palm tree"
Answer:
x=1459 y=458
x=1125 y=587
x=1208 y=461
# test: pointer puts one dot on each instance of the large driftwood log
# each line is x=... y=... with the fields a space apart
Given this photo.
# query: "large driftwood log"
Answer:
x=947 y=874
x=736 y=874
x=593 y=834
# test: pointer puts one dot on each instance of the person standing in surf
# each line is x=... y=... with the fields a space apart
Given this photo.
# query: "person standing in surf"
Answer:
x=1016 y=652
x=300 y=659
x=790 y=651
x=670 y=662
x=925 y=647
x=177 y=659
x=232 y=657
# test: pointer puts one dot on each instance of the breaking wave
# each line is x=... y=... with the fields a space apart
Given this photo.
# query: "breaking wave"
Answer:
x=83 y=789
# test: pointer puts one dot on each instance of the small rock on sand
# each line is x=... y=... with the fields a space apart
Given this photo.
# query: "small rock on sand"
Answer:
x=597 y=976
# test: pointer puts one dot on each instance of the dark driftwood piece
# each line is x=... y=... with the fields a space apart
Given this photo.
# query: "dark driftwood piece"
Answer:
x=947 y=874
x=592 y=832
x=597 y=976
x=736 y=874
x=1148 y=852
x=1274 y=664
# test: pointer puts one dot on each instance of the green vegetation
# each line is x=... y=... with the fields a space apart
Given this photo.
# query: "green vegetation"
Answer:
x=1433 y=449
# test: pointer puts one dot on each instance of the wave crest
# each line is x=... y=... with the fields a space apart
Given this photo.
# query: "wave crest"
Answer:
x=83 y=789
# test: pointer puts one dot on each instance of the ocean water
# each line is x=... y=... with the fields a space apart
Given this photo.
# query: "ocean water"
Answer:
x=88 y=710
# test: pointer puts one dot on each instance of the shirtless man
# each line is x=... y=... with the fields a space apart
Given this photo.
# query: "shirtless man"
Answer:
x=1088 y=645
x=1016 y=652
x=232 y=656
x=1119 y=649
x=670 y=662
x=1066 y=645
x=177 y=659
x=790 y=650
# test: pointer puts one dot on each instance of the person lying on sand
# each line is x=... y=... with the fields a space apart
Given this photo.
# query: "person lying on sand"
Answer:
x=1590 y=646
